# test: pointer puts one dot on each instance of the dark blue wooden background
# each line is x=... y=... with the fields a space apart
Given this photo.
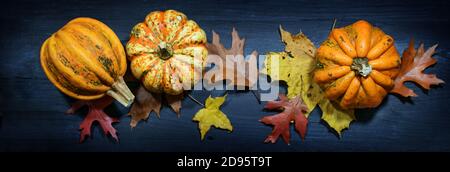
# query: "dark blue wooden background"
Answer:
x=32 y=110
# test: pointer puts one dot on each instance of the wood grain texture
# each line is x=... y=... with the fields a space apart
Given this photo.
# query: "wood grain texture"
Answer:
x=32 y=109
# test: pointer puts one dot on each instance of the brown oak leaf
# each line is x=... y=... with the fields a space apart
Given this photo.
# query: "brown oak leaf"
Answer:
x=232 y=66
x=143 y=105
x=414 y=62
x=95 y=113
x=146 y=102
x=174 y=102
x=292 y=111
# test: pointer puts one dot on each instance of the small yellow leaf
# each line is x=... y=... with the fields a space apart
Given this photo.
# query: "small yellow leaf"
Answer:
x=212 y=116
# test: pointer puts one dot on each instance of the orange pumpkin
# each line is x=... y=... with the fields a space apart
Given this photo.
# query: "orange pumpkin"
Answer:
x=85 y=60
x=167 y=52
x=356 y=65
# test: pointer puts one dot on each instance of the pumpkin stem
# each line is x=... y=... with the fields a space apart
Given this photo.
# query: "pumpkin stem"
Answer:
x=165 y=50
x=121 y=92
x=361 y=66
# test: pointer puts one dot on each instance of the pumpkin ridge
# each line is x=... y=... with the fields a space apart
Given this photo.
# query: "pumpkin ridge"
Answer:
x=177 y=32
x=100 y=50
x=76 y=49
x=388 y=60
x=80 y=73
x=146 y=40
x=178 y=70
x=183 y=65
x=352 y=92
x=362 y=44
x=188 y=61
x=382 y=79
x=338 y=87
x=376 y=35
x=188 y=45
x=173 y=21
x=162 y=26
x=150 y=20
x=60 y=82
x=190 y=27
x=193 y=50
x=111 y=38
x=342 y=38
x=148 y=68
x=155 y=76
x=56 y=59
x=173 y=76
x=201 y=38
x=65 y=86
x=152 y=33
x=380 y=47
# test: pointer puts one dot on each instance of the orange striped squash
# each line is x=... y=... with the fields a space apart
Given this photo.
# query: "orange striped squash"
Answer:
x=85 y=60
x=167 y=52
x=356 y=65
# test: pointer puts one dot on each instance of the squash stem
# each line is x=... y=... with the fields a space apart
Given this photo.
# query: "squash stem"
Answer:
x=361 y=66
x=121 y=92
x=165 y=50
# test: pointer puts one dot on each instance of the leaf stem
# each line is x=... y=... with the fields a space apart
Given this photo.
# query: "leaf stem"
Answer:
x=334 y=24
x=195 y=100
x=256 y=96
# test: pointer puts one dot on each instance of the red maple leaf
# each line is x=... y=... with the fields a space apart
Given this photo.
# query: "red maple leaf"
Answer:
x=95 y=113
x=292 y=111
x=411 y=69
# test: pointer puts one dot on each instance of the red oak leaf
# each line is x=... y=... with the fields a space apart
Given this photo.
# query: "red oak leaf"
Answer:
x=95 y=113
x=414 y=62
x=292 y=111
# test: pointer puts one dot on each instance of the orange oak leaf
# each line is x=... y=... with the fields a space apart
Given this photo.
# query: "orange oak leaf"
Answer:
x=146 y=102
x=95 y=113
x=414 y=62
x=292 y=111
x=232 y=65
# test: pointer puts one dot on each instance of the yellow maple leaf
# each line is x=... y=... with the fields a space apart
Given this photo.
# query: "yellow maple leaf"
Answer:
x=295 y=66
x=212 y=116
x=335 y=116
x=296 y=72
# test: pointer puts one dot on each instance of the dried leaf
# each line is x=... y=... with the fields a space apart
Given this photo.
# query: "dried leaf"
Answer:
x=297 y=45
x=95 y=113
x=295 y=66
x=414 y=62
x=174 y=102
x=144 y=104
x=212 y=116
x=296 y=72
x=232 y=61
x=336 y=117
x=292 y=111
